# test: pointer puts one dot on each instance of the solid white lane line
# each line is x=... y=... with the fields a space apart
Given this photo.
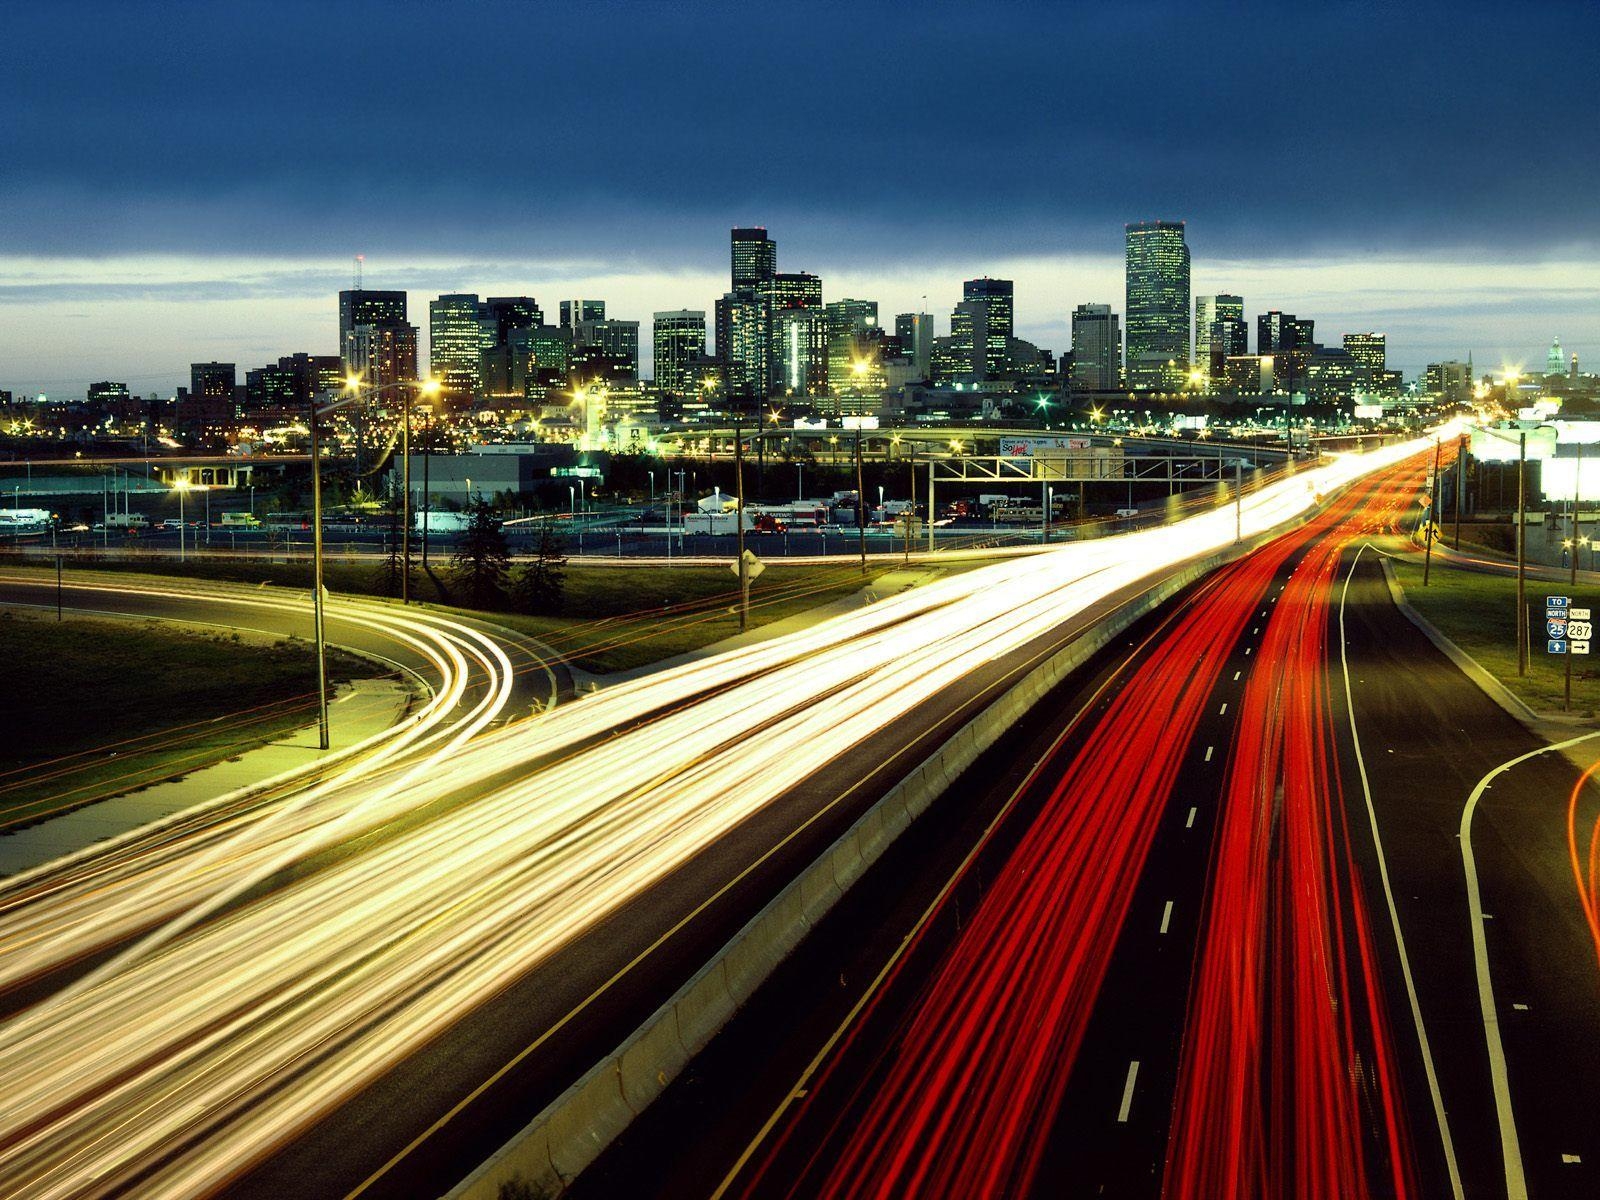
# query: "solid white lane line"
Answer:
x=1127 y=1093
x=1510 y=1147
x=1445 y=1140
x=1189 y=824
x=1166 y=916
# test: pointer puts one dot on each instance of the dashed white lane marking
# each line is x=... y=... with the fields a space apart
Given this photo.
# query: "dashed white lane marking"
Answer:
x=1166 y=916
x=1223 y=711
x=1189 y=824
x=1127 y=1093
x=1570 y=1159
x=1236 y=675
x=1209 y=749
x=1247 y=649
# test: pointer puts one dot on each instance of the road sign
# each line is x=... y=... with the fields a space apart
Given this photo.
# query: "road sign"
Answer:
x=1558 y=601
x=1580 y=647
x=1579 y=614
x=1580 y=631
x=753 y=566
x=1555 y=629
x=1556 y=646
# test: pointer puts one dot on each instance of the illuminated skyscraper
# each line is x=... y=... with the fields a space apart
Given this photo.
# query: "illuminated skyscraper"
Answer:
x=743 y=344
x=1157 y=307
x=1210 y=332
x=456 y=337
x=852 y=330
x=755 y=260
x=616 y=341
x=1370 y=350
x=679 y=339
x=359 y=306
x=574 y=312
x=992 y=324
x=1096 y=349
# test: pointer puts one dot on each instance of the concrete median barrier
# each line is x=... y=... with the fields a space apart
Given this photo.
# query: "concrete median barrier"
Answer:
x=573 y=1130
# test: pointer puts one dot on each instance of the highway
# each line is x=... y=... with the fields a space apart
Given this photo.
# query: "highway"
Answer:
x=308 y=1004
x=1154 y=951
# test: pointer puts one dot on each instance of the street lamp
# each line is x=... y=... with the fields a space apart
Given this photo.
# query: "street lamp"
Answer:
x=352 y=395
x=407 y=387
x=181 y=485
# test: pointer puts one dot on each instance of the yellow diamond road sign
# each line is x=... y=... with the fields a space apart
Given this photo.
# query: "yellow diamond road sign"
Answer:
x=753 y=566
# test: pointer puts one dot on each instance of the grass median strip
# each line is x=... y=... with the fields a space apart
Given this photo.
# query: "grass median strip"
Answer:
x=1478 y=612
x=97 y=708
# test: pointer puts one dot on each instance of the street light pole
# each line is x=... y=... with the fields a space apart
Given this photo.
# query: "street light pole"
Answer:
x=182 y=525
x=1429 y=524
x=861 y=501
x=316 y=583
x=738 y=482
x=1522 y=555
x=405 y=503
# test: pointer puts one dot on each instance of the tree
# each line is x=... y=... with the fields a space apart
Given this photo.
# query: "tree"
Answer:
x=393 y=567
x=540 y=585
x=481 y=562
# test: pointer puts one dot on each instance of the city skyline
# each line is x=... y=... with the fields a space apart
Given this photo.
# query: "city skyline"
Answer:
x=261 y=313
x=1320 y=165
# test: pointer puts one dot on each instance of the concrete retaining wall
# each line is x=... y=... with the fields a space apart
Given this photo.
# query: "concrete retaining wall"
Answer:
x=575 y=1127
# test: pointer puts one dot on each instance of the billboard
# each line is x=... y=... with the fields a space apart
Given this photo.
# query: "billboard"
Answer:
x=1028 y=447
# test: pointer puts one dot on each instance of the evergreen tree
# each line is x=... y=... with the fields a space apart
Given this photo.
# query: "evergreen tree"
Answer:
x=393 y=566
x=481 y=562
x=540 y=585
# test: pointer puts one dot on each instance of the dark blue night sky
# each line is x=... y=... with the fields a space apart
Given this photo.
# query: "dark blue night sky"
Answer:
x=636 y=133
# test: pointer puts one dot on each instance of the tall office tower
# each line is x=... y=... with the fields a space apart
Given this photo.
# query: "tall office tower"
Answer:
x=502 y=314
x=992 y=330
x=851 y=325
x=456 y=337
x=1157 y=304
x=1230 y=337
x=755 y=260
x=212 y=380
x=799 y=289
x=1209 y=313
x=539 y=362
x=1096 y=349
x=383 y=355
x=1276 y=332
x=794 y=320
x=358 y=306
x=800 y=352
x=1371 y=350
x=615 y=344
x=574 y=312
x=915 y=331
x=744 y=344
x=679 y=338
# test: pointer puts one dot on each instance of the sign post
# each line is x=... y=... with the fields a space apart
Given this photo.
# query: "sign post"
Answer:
x=1568 y=631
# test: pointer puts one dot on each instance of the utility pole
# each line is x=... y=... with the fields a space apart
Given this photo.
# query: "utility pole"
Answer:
x=861 y=501
x=738 y=482
x=1428 y=515
x=316 y=583
x=1522 y=554
x=1461 y=486
x=1238 y=500
x=911 y=502
x=1577 y=476
x=405 y=485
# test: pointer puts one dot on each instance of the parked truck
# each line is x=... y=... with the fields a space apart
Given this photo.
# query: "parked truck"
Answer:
x=240 y=520
x=716 y=522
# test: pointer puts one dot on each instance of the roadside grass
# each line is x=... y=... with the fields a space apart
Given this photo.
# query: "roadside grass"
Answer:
x=614 y=617
x=1477 y=612
x=97 y=708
